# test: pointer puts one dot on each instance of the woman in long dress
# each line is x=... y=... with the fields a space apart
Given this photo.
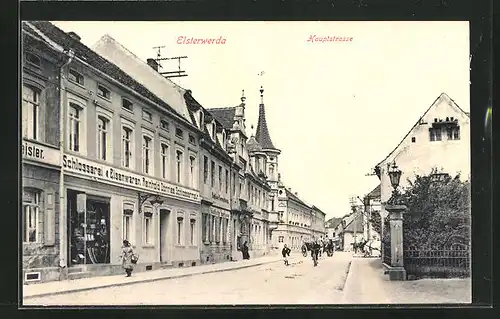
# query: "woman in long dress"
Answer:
x=244 y=250
x=127 y=254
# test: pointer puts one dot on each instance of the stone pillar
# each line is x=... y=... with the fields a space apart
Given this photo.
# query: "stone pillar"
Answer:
x=397 y=271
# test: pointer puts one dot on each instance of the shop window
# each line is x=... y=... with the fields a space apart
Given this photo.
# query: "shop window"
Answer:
x=31 y=216
x=89 y=228
x=127 y=140
x=76 y=77
x=212 y=228
x=180 y=222
x=224 y=230
x=102 y=137
x=30 y=112
x=218 y=222
x=205 y=227
x=103 y=92
x=178 y=158
x=127 y=105
x=147 y=155
x=164 y=160
x=192 y=228
x=75 y=127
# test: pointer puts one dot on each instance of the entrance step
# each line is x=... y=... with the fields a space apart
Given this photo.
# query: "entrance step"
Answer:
x=72 y=270
x=79 y=275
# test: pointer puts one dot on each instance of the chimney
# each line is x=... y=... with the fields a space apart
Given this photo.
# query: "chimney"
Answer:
x=153 y=64
x=74 y=36
x=296 y=194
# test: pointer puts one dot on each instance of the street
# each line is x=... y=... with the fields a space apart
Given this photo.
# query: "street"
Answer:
x=273 y=283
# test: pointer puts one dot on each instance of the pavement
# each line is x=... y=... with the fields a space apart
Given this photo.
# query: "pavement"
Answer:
x=367 y=284
x=77 y=285
x=263 y=283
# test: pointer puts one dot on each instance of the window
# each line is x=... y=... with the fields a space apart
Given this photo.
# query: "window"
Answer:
x=435 y=134
x=178 y=158
x=146 y=155
x=180 y=221
x=147 y=116
x=127 y=105
x=212 y=172
x=179 y=133
x=192 y=163
x=126 y=146
x=192 y=140
x=127 y=225
x=33 y=59
x=103 y=92
x=148 y=238
x=220 y=178
x=218 y=229
x=280 y=239
x=164 y=160
x=413 y=139
x=224 y=230
x=102 y=137
x=76 y=77
x=205 y=169
x=192 y=228
x=74 y=127
x=233 y=184
x=227 y=182
x=30 y=110
x=453 y=133
x=212 y=228
x=164 y=125
x=271 y=171
x=31 y=211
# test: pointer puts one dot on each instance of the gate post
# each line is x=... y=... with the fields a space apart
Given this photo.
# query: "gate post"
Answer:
x=397 y=270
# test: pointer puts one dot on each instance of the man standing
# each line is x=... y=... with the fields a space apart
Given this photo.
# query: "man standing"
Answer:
x=315 y=252
x=286 y=253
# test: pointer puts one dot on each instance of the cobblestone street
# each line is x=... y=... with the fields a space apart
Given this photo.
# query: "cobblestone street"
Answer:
x=274 y=283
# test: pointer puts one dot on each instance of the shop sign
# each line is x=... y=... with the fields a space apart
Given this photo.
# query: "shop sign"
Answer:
x=220 y=198
x=107 y=174
x=37 y=152
x=219 y=213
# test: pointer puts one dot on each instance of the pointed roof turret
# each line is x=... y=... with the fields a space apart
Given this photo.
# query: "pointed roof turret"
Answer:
x=262 y=135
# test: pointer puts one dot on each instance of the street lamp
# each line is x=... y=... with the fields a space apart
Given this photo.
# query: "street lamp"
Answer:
x=396 y=208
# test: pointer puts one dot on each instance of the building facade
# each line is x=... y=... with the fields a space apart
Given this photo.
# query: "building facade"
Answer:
x=318 y=229
x=439 y=140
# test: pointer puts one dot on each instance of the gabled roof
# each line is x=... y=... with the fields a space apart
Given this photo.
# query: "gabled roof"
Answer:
x=291 y=195
x=440 y=97
x=333 y=222
x=225 y=115
x=81 y=51
x=375 y=193
x=262 y=134
x=253 y=145
x=358 y=225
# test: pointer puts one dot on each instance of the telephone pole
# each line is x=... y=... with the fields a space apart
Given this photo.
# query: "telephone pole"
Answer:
x=169 y=74
x=353 y=207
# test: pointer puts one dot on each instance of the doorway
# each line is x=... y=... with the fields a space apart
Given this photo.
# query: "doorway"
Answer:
x=164 y=221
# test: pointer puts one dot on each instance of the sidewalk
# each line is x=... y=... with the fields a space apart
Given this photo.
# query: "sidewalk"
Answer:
x=77 y=285
x=367 y=284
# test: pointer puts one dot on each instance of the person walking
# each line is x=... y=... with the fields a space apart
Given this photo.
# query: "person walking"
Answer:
x=244 y=251
x=128 y=258
x=315 y=249
x=286 y=253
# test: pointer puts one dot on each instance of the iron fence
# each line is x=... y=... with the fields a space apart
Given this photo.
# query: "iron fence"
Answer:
x=437 y=263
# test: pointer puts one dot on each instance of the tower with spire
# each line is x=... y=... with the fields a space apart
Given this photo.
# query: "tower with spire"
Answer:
x=263 y=137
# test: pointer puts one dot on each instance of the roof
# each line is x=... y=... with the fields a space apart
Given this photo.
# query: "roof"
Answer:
x=358 y=225
x=291 y=195
x=440 y=97
x=253 y=145
x=86 y=54
x=262 y=134
x=225 y=116
x=333 y=222
x=375 y=193
x=318 y=210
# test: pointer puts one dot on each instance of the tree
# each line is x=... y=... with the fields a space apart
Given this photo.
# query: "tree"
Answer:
x=376 y=221
x=438 y=213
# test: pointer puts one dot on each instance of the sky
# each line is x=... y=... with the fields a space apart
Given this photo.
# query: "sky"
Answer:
x=334 y=109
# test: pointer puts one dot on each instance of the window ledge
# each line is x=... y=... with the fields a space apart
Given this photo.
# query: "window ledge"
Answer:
x=77 y=84
x=129 y=111
x=148 y=246
x=105 y=99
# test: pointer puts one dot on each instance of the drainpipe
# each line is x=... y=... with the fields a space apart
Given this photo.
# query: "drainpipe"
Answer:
x=63 y=240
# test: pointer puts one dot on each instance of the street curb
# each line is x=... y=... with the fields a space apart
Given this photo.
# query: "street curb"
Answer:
x=348 y=272
x=46 y=294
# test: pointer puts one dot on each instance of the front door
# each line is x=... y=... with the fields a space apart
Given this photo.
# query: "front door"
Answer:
x=164 y=218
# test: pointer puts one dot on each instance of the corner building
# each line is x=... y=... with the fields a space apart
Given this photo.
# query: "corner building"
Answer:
x=130 y=166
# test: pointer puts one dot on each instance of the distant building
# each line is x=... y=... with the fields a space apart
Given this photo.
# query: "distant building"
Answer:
x=351 y=231
x=440 y=139
x=331 y=226
x=371 y=206
x=318 y=229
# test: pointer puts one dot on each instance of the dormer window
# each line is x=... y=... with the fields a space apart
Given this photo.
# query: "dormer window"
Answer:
x=213 y=130
x=201 y=119
x=103 y=92
x=33 y=59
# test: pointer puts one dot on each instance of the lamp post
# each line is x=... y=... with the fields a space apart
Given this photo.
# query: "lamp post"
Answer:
x=396 y=209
